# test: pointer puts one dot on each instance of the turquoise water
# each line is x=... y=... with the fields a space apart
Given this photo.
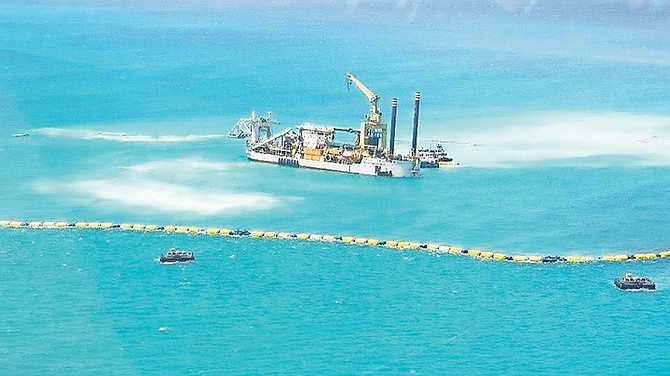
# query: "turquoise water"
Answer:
x=561 y=126
x=277 y=306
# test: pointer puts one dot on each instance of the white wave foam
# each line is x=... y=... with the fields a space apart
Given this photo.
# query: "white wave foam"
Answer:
x=571 y=139
x=89 y=134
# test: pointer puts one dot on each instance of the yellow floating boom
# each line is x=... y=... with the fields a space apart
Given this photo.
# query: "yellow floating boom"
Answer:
x=437 y=248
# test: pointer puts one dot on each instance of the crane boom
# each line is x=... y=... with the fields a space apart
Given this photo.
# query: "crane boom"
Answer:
x=374 y=116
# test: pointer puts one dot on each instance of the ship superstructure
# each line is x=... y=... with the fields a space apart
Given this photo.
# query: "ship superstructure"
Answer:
x=358 y=151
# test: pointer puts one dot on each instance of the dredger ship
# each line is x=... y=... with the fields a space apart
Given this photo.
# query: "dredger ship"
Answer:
x=369 y=150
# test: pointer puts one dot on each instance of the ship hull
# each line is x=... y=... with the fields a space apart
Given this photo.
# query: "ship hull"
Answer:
x=634 y=285
x=367 y=166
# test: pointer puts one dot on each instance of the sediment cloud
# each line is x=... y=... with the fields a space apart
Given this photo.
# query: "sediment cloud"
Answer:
x=90 y=134
x=190 y=187
x=563 y=138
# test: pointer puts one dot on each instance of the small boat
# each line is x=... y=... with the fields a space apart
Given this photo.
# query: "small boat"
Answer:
x=20 y=135
x=175 y=255
x=433 y=158
x=631 y=282
x=240 y=233
x=552 y=258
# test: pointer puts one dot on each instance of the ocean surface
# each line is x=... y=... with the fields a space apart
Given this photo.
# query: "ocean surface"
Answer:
x=558 y=116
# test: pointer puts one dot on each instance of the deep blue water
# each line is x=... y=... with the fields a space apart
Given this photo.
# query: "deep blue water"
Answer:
x=560 y=123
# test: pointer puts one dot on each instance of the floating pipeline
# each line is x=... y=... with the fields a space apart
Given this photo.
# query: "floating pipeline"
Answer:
x=433 y=248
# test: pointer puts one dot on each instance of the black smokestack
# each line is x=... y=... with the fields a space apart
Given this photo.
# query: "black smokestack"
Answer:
x=415 y=130
x=394 y=113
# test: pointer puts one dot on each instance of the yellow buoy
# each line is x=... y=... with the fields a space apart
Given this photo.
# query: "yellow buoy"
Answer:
x=181 y=229
x=621 y=257
x=35 y=224
x=270 y=234
x=664 y=254
x=415 y=245
x=608 y=258
x=454 y=250
x=315 y=237
x=49 y=224
x=499 y=256
x=106 y=225
x=302 y=236
x=588 y=258
x=486 y=255
x=535 y=258
x=138 y=227
x=432 y=247
x=360 y=240
x=282 y=235
x=256 y=234
x=61 y=224
x=391 y=243
x=520 y=258
x=473 y=252
x=329 y=238
x=212 y=231
x=347 y=239
x=5 y=223
x=126 y=226
x=373 y=242
x=573 y=259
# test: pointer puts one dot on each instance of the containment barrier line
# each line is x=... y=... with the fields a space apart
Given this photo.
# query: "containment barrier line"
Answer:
x=395 y=244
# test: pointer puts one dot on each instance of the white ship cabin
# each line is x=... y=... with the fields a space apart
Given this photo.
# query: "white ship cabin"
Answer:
x=315 y=137
x=318 y=137
x=331 y=144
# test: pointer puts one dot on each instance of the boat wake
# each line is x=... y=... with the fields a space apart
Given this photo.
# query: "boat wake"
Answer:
x=642 y=291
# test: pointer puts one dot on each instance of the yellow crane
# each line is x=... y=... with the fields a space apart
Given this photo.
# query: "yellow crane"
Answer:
x=372 y=135
x=374 y=116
